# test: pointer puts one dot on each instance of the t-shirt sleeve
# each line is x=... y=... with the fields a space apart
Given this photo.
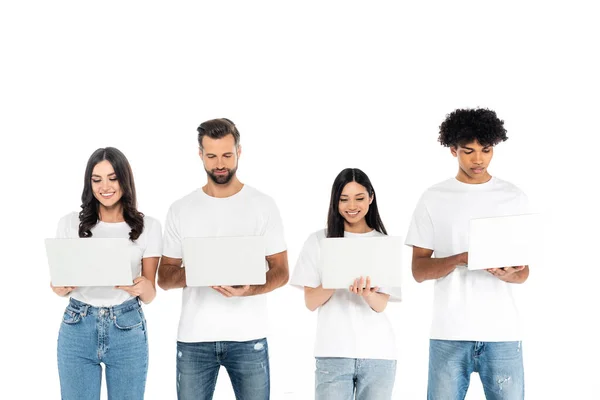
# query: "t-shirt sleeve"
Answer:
x=172 y=244
x=524 y=204
x=420 y=232
x=63 y=230
x=306 y=272
x=274 y=239
x=153 y=239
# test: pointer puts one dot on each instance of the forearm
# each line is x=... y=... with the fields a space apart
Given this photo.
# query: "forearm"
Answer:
x=276 y=277
x=148 y=296
x=377 y=301
x=171 y=277
x=316 y=297
x=424 y=269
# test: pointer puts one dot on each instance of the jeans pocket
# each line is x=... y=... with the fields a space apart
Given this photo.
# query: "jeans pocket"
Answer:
x=71 y=316
x=129 y=319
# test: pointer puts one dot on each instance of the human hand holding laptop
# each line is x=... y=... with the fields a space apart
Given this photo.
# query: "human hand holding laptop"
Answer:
x=141 y=287
x=363 y=288
x=233 y=291
x=62 y=291
x=501 y=273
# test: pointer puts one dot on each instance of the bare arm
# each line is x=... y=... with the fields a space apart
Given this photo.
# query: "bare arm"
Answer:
x=144 y=286
x=377 y=301
x=425 y=268
x=316 y=297
x=170 y=273
x=277 y=276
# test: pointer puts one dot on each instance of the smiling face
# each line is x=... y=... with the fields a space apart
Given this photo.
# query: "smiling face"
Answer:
x=220 y=158
x=105 y=184
x=473 y=160
x=354 y=205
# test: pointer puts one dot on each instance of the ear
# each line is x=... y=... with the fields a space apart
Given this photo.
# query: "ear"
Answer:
x=371 y=198
x=454 y=150
x=239 y=150
x=200 y=152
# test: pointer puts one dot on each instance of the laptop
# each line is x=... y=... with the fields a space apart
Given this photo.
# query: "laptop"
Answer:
x=342 y=260
x=505 y=241
x=225 y=261
x=89 y=261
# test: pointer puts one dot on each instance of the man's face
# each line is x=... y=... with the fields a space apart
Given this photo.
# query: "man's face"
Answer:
x=220 y=158
x=473 y=160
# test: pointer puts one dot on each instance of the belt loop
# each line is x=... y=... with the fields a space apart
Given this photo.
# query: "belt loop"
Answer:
x=85 y=310
x=111 y=312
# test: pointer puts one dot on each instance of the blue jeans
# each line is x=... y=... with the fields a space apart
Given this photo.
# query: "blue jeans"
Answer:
x=115 y=336
x=246 y=363
x=499 y=364
x=342 y=378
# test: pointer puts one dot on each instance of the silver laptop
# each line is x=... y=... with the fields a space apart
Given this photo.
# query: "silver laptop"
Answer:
x=225 y=261
x=89 y=261
x=343 y=260
x=506 y=241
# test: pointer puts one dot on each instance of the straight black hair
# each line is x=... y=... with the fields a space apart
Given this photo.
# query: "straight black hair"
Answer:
x=335 y=221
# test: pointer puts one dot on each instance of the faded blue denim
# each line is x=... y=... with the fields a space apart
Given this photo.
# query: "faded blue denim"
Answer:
x=345 y=378
x=246 y=363
x=499 y=364
x=115 y=336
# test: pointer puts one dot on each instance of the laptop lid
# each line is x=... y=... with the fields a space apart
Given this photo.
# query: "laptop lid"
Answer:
x=225 y=261
x=342 y=260
x=89 y=261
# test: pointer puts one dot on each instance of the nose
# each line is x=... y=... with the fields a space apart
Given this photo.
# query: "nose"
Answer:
x=477 y=159
x=352 y=204
x=104 y=185
x=220 y=163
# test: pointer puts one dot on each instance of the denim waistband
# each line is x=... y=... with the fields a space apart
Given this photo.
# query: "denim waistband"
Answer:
x=85 y=308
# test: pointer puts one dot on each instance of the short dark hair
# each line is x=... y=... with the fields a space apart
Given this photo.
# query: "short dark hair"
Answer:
x=335 y=222
x=463 y=126
x=218 y=129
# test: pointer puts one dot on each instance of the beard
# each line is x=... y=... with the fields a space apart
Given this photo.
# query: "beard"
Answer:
x=221 y=179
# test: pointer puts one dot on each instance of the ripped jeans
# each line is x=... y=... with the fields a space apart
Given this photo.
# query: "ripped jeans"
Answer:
x=246 y=363
x=499 y=364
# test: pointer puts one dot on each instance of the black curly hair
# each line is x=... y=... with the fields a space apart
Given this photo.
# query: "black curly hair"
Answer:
x=463 y=126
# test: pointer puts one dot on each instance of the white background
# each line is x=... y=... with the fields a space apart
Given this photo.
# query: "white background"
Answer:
x=314 y=87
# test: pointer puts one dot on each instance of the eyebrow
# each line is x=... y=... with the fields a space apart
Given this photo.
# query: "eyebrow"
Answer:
x=98 y=176
x=470 y=148
x=224 y=154
x=358 y=194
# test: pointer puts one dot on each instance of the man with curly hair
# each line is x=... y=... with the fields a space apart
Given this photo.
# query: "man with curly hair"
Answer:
x=475 y=324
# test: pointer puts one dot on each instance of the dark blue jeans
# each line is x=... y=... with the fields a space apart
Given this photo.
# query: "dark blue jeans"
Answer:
x=115 y=336
x=246 y=363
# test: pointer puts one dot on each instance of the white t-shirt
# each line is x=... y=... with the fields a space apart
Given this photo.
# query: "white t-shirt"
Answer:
x=346 y=326
x=468 y=305
x=206 y=315
x=149 y=244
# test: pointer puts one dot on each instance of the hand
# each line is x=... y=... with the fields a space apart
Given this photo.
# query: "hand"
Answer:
x=504 y=273
x=142 y=287
x=233 y=291
x=357 y=287
x=62 y=291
